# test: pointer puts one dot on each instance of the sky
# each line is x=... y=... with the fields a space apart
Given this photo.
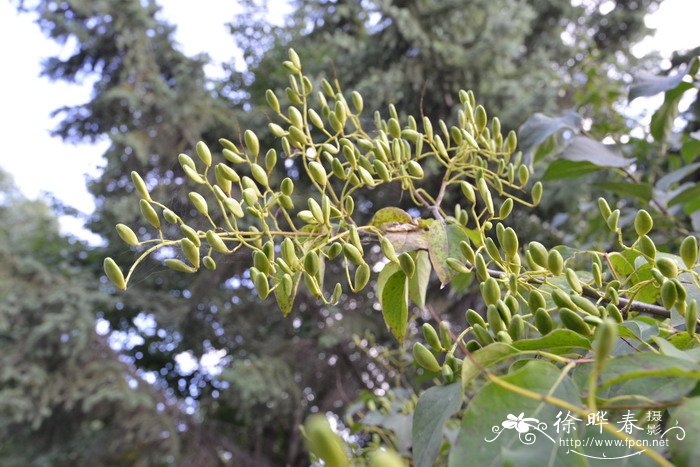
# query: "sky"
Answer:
x=27 y=100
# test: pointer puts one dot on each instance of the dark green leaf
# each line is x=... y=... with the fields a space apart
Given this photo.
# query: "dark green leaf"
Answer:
x=418 y=284
x=434 y=407
x=686 y=416
x=562 y=168
x=393 y=296
x=539 y=127
x=485 y=357
x=439 y=251
x=642 y=191
x=557 y=340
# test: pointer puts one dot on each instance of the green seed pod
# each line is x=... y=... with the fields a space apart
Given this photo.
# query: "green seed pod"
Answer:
x=191 y=251
x=233 y=157
x=149 y=213
x=543 y=321
x=186 y=161
x=250 y=196
x=191 y=234
x=272 y=101
x=318 y=173
x=584 y=305
x=287 y=186
x=562 y=300
x=209 y=263
x=573 y=321
x=614 y=313
x=512 y=303
x=474 y=318
x=352 y=253
x=467 y=251
x=262 y=262
x=473 y=345
x=523 y=174
x=482 y=272
x=408 y=266
x=669 y=295
x=646 y=246
x=179 y=266
x=555 y=262
x=604 y=341
x=457 y=266
x=312 y=262
x=431 y=337
x=493 y=317
x=491 y=248
x=425 y=358
x=270 y=160
x=536 y=193
x=604 y=208
x=535 y=300
x=468 y=191
x=203 y=153
x=262 y=286
x=362 y=274
x=483 y=336
x=127 y=235
x=485 y=194
x=288 y=252
x=251 y=142
x=114 y=273
x=538 y=253
x=381 y=170
x=140 y=185
x=276 y=130
x=216 y=242
x=689 y=251
x=613 y=220
x=334 y=250
x=394 y=128
x=324 y=443
x=643 y=223
x=259 y=174
x=444 y=332
x=414 y=169
x=504 y=337
x=199 y=202
x=573 y=281
x=480 y=119
x=316 y=210
x=490 y=290
x=691 y=318
x=667 y=267
x=388 y=250
x=506 y=208
x=503 y=311
x=234 y=206
x=170 y=216
x=516 y=328
x=510 y=242
x=193 y=175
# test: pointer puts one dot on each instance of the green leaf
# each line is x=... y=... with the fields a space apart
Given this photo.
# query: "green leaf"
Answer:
x=392 y=290
x=418 y=284
x=646 y=84
x=539 y=127
x=485 y=357
x=665 y=182
x=584 y=149
x=687 y=417
x=662 y=120
x=482 y=422
x=434 y=407
x=686 y=195
x=407 y=241
x=644 y=365
x=439 y=251
x=563 y=168
x=391 y=215
x=557 y=340
x=642 y=191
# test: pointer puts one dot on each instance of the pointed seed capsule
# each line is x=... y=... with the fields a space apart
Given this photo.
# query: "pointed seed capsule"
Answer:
x=605 y=210
x=318 y=173
x=691 y=318
x=573 y=281
x=493 y=317
x=209 y=263
x=140 y=185
x=474 y=318
x=491 y=291
x=537 y=193
x=669 y=294
x=388 y=250
x=114 y=274
x=199 y=202
x=555 y=262
x=251 y=142
x=127 y=235
x=689 y=251
x=362 y=274
x=667 y=267
x=482 y=335
x=425 y=358
x=510 y=243
x=535 y=300
x=604 y=341
x=149 y=213
x=643 y=223
x=539 y=253
x=179 y=266
x=543 y=321
x=408 y=266
x=190 y=251
x=272 y=101
x=216 y=242
x=573 y=321
x=647 y=247
x=203 y=153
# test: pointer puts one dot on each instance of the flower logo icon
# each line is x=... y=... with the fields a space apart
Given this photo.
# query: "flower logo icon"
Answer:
x=520 y=423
